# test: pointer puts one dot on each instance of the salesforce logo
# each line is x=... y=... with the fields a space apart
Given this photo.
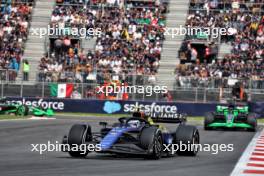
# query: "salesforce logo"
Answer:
x=111 y=107
x=40 y=102
x=152 y=108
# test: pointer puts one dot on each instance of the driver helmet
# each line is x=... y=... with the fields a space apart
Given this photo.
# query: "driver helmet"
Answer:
x=134 y=123
x=231 y=106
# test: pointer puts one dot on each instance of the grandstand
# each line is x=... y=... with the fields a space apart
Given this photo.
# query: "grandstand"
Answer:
x=15 y=22
x=244 y=46
x=130 y=41
x=129 y=46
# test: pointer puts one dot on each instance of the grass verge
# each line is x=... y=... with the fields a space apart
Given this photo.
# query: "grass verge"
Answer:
x=11 y=117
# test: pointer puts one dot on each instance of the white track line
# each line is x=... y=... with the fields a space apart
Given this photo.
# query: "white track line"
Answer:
x=28 y=119
x=41 y=118
x=244 y=159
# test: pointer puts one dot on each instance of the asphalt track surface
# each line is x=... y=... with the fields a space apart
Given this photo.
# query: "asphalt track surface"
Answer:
x=16 y=157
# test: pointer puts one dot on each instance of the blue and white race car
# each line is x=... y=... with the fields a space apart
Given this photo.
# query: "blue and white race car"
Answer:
x=132 y=135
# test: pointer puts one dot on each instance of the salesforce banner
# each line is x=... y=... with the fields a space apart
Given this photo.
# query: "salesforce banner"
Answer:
x=123 y=107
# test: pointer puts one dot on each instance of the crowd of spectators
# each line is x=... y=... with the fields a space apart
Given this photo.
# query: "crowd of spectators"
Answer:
x=14 y=25
x=131 y=39
x=246 y=22
x=129 y=43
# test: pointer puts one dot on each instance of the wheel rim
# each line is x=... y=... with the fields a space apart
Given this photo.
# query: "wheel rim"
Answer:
x=158 y=146
x=195 y=142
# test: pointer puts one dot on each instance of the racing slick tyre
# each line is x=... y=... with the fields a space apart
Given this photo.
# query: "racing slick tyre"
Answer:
x=22 y=110
x=208 y=119
x=252 y=120
x=79 y=133
x=188 y=136
x=151 y=140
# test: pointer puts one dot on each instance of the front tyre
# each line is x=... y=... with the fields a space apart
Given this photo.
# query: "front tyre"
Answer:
x=252 y=120
x=77 y=136
x=151 y=140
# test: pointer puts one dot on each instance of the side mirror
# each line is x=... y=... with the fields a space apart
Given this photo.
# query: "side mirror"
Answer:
x=104 y=124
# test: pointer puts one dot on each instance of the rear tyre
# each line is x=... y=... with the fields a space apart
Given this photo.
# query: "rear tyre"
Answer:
x=189 y=136
x=252 y=120
x=208 y=119
x=78 y=134
x=151 y=140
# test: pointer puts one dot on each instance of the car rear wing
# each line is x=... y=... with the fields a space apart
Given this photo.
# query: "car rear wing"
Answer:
x=242 y=109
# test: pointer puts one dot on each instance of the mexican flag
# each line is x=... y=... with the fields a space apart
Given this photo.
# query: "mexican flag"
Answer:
x=61 y=90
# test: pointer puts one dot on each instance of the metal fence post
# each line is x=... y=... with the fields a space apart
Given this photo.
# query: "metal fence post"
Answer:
x=83 y=91
x=133 y=83
x=7 y=75
x=249 y=90
x=43 y=89
x=204 y=98
x=21 y=89
x=196 y=94
x=2 y=88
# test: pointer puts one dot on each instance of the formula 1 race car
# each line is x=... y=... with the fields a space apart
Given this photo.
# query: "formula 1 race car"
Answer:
x=132 y=136
x=22 y=110
x=231 y=116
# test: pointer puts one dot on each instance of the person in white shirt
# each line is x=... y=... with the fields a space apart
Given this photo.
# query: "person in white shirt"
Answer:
x=116 y=34
x=55 y=18
x=99 y=47
x=8 y=29
x=76 y=95
x=152 y=79
x=193 y=54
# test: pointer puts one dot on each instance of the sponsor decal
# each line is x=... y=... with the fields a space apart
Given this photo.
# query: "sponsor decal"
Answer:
x=111 y=107
x=55 y=105
x=153 y=109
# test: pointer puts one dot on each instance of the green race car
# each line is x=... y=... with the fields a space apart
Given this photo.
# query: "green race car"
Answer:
x=231 y=116
x=23 y=110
